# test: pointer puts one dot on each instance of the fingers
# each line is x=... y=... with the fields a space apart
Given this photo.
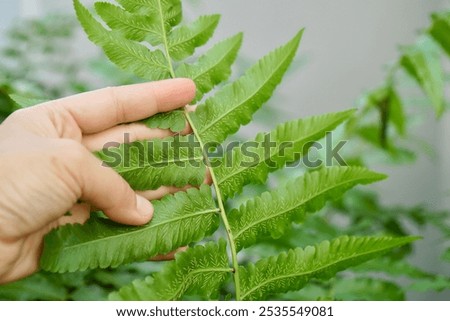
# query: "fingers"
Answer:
x=102 y=109
x=106 y=190
x=127 y=133
x=123 y=134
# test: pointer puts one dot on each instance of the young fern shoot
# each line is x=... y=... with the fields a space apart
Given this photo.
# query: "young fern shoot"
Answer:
x=146 y=37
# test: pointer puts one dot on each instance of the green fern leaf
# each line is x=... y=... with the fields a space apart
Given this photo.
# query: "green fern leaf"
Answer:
x=440 y=30
x=239 y=170
x=131 y=26
x=100 y=243
x=214 y=67
x=200 y=270
x=293 y=270
x=126 y=54
x=148 y=165
x=174 y=120
x=422 y=62
x=24 y=101
x=234 y=105
x=272 y=213
x=183 y=41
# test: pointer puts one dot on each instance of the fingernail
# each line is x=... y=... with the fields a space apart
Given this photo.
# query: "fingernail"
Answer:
x=144 y=207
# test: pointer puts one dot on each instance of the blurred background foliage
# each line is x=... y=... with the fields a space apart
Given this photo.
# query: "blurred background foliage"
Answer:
x=38 y=62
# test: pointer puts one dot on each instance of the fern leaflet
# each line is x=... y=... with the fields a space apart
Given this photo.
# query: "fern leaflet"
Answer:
x=290 y=141
x=200 y=270
x=174 y=120
x=422 y=62
x=440 y=30
x=179 y=220
x=183 y=41
x=293 y=270
x=234 y=105
x=212 y=68
x=129 y=25
x=272 y=213
x=148 y=165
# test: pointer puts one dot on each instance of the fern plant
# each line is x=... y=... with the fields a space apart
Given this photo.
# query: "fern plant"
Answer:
x=146 y=37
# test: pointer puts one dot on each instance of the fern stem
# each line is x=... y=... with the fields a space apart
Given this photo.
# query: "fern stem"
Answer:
x=223 y=214
x=165 y=42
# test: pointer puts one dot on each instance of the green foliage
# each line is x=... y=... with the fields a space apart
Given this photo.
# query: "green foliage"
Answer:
x=440 y=29
x=384 y=107
x=292 y=270
x=148 y=165
x=213 y=67
x=234 y=105
x=175 y=121
x=147 y=38
x=422 y=62
x=200 y=270
x=36 y=50
x=272 y=213
x=291 y=141
x=179 y=220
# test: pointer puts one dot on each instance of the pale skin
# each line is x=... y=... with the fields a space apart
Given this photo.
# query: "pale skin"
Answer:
x=47 y=166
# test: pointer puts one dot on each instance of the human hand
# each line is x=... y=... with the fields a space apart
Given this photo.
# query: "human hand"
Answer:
x=46 y=165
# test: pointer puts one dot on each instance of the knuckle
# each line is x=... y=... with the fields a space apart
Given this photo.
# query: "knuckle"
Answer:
x=118 y=104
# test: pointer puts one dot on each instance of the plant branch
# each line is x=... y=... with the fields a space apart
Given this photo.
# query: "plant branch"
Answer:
x=165 y=42
x=223 y=214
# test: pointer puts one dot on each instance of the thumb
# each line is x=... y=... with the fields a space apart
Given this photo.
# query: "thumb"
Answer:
x=106 y=190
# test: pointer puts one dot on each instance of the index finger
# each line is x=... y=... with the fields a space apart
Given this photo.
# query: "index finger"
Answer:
x=99 y=110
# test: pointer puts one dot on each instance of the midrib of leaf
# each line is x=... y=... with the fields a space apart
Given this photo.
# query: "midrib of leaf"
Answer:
x=191 y=275
x=223 y=214
x=306 y=272
x=143 y=229
x=242 y=169
x=293 y=207
x=165 y=41
x=204 y=129
x=186 y=160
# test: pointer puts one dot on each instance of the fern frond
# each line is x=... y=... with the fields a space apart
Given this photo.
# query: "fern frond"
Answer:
x=126 y=54
x=213 y=67
x=200 y=270
x=148 y=165
x=100 y=243
x=293 y=270
x=183 y=41
x=273 y=212
x=290 y=141
x=440 y=30
x=173 y=120
x=234 y=105
x=423 y=63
